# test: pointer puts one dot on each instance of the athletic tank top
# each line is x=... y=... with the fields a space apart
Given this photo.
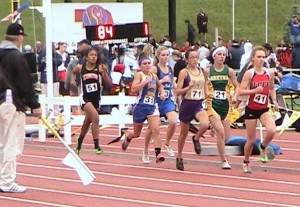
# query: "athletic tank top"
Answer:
x=147 y=95
x=220 y=83
x=168 y=86
x=259 y=100
x=196 y=92
x=91 y=82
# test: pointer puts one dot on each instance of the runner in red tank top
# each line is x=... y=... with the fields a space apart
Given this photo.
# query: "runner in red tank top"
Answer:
x=258 y=83
x=259 y=100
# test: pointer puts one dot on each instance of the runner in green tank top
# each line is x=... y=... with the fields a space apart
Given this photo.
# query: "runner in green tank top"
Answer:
x=219 y=100
x=220 y=83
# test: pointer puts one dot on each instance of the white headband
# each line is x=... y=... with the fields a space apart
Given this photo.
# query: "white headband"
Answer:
x=219 y=49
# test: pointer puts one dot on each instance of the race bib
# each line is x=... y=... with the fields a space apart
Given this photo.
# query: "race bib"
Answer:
x=220 y=95
x=167 y=93
x=260 y=98
x=91 y=87
x=196 y=94
x=149 y=100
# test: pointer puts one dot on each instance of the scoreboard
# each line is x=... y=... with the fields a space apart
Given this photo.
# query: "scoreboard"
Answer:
x=123 y=31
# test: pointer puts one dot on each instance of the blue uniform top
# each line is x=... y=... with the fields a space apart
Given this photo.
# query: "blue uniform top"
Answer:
x=168 y=86
x=147 y=95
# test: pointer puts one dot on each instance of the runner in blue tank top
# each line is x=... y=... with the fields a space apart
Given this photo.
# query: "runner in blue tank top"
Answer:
x=167 y=107
x=146 y=85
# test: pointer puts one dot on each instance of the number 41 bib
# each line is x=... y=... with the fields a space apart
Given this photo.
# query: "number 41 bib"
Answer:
x=260 y=98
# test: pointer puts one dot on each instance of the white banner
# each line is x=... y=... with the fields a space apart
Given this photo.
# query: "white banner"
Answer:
x=67 y=25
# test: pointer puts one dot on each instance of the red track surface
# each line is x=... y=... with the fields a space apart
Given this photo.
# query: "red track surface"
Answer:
x=123 y=180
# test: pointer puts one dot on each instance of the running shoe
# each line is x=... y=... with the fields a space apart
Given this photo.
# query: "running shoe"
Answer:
x=125 y=143
x=78 y=151
x=197 y=145
x=170 y=151
x=270 y=153
x=267 y=154
x=13 y=188
x=98 y=151
x=146 y=158
x=160 y=158
x=226 y=165
x=247 y=167
x=179 y=164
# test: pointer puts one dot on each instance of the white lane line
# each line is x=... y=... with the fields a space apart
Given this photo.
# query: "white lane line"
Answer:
x=145 y=190
x=171 y=170
x=93 y=195
x=255 y=190
x=33 y=201
x=185 y=153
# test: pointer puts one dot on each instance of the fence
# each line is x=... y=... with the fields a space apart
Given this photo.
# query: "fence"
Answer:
x=67 y=102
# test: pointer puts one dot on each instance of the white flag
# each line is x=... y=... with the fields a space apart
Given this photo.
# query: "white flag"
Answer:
x=86 y=176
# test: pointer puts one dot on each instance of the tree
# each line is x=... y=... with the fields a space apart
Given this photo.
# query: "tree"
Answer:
x=295 y=11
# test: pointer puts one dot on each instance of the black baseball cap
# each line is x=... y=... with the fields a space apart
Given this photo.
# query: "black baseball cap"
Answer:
x=84 y=41
x=15 y=29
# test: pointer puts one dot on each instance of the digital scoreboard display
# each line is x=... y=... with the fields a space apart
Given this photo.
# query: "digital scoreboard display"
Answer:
x=124 y=31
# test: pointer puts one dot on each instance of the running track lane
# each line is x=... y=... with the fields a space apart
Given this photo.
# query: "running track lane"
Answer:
x=122 y=180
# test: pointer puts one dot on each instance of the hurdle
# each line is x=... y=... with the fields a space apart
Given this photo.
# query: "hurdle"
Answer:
x=120 y=119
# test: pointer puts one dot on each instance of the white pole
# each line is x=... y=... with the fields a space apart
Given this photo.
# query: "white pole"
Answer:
x=47 y=8
x=233 y=18
x=34 y=29
x=266 y=20
x=217 y=36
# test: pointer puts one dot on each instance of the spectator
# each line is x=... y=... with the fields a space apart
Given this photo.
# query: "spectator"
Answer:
x=56 y=61
x=148 y=50
x=295 y=60
x=203 y=51
x=191 y=32
x=186 y=46
x=281 y=46
x=139 y=50
x=62 y=68
x=14 y=75
x=83 y=45
x=124 y=75
x=295 y=30
x=180 y=63
x=31 y=60
x=202 y=20
x=235 y=53
x=271 y=59
x=171 y=62
x=246 y=56
x=73 y=90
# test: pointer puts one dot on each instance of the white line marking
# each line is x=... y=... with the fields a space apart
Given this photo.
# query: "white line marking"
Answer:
x=143 y=189
x=188 y=183
x=33 y=201
x=171 y=170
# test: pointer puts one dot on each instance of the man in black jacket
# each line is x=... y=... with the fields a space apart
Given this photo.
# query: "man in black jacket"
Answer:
x=202 y=20
x=14 y=76
x=191 y=32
